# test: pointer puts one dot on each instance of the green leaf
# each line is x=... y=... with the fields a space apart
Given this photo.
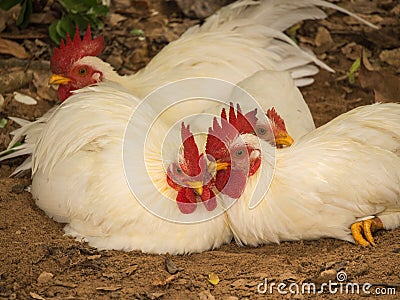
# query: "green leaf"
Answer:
x=137 y=32
x=80 y=20
x=24 y=15
x=53 y=32
x=99 y=10
x=66 y=26
x=76 y=6
x=354 y=67
x=7 y=4
x=3 y=122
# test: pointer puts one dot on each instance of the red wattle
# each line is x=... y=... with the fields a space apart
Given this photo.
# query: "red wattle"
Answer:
x=208 y=198
x=186 y=200
x=235 y=186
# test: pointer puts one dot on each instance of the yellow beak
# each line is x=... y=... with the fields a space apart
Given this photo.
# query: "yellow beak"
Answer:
x=58 y=79
x=284 y=140
x=214 y=167
x=222 y=165
x=197 y=186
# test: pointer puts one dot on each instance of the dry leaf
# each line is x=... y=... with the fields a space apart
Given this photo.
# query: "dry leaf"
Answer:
x=213 y=278
x=238 y=283
x=114 y=19
x=165 y=281
x=391 y=57
x=24 y=99
x=386 y=86
x=130 y=270
x=323 y=38
x=42 y=18
x=170 y=266
x=13 y=48
x=44 y=277
x=36 y=296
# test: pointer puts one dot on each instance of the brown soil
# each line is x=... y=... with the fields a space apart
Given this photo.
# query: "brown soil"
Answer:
x=31 y=244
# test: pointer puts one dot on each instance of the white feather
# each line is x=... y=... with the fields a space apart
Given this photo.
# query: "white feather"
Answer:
x=343 y=171
x=78 y=178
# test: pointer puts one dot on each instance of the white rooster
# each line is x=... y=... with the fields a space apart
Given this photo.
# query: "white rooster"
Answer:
x=79 y=178
x=108 y=180
x=341 y=178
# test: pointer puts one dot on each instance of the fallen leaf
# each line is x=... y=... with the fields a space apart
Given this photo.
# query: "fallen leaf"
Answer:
x=326 y=276
x=351 y=50
x=24 y=99
x=3 y=122
x=391 y=57
x=213 y=278
x=109 y=288
x=42 y=18
x=114 y=19
x=36 y=296
x=165 y=281
x=386 y=86
x=130 y=270
x=170 y=266
x=13 y=48
x=44 y=277
x=323 y=39
x=238 y=283
x=93 y=257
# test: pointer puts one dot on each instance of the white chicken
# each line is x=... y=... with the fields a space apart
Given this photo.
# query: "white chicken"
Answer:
x=108 y=180
x=79 y=178
x=345 y=174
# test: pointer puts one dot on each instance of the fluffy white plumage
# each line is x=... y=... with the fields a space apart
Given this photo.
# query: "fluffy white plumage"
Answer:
x=346 y=170
x=78 y=179
x=69 y=168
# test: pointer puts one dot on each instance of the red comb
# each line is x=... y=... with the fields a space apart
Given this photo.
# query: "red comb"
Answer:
x=190 y=152
x=73 y=50
x=229 y=130
x=242 y=123
x=276 y=119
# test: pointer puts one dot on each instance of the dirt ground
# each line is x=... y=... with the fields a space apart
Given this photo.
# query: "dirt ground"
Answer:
x=38 y=262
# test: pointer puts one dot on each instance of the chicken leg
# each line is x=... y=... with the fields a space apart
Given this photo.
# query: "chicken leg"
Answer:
x=362 y=231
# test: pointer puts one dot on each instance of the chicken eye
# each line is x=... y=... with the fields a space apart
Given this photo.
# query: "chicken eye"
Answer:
x=179 y=170
x=261 y=131
x=82 y=71
x=239 y=152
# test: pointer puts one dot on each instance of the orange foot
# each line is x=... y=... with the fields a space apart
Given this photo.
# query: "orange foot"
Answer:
x=362 y=231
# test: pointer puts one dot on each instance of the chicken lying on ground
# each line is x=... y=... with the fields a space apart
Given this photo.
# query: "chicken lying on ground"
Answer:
x=345 y=174
x=79 y=178
x=92 y=178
